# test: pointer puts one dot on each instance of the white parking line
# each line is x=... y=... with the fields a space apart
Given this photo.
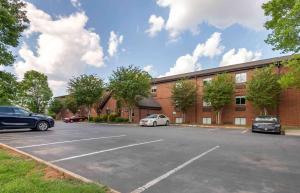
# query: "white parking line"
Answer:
x=215 y=129
x=245 y=131
x=106 y=150
x=160 y=178
x=70 y=141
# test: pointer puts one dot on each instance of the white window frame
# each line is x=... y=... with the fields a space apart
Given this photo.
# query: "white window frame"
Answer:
x=178 y=120
x=241 y=78
x=240 y=121
x=207 y=80
x=240 y=99
x=206 y=120
x=206 y=104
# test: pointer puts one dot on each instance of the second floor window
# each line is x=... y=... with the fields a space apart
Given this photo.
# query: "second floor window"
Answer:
x=206 y=80
x=240 y=100
x=241 y=78
x=153 y=89
x=206 y=104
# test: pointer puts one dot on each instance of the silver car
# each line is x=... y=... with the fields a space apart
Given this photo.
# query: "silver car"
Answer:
x=154 y=120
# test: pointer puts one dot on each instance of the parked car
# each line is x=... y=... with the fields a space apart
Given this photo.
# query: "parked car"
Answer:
x=268 y=124
x=154 y=120
x=18 y=118
x=76 y=118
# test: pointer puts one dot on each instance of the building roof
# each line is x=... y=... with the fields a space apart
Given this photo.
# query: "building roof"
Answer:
x=229 y=68
x=149 y=103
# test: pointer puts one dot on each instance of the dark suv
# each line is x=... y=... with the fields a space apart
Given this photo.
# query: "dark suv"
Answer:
x=18 y=118
x=268 y=124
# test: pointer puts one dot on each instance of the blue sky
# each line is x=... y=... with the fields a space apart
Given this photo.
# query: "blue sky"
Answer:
x=169 y=40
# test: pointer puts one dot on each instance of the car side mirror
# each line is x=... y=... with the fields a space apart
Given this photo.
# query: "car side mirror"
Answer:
x=30 y=114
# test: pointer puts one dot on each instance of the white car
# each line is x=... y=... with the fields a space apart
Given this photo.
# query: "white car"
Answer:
x=154 y=120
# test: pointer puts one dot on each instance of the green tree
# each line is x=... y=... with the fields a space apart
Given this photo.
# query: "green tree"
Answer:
x=8 y=88
x=263 y=89
x=285 y=36
x=129 y=85
x=284 y=24
x=86 y=90
x=218 y=93
x=184 y=93
x=13 y=22
x=71 y=104
x=56 y=105
x=34 y=92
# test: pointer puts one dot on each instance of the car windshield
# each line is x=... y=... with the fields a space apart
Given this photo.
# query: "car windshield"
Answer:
x=267 y=119
x=152 y=116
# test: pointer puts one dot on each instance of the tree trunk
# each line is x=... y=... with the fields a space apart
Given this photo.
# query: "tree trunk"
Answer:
x=130 y=114
x=265 y=111
x=219 y=117
x=89 y=112
x=183 y=117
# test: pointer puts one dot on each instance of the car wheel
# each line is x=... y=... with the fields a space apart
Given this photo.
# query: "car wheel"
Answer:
x=154 y=124
x=42 y=126
x=167 y=123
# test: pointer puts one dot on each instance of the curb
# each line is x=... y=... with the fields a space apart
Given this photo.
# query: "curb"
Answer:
x=64 y=172
x=212 y=126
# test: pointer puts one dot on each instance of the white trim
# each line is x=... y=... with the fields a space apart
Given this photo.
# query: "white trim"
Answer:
x=102 y=151
x=160 y=178
x=70 y=141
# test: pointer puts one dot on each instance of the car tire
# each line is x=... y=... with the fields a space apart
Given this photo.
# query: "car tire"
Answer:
x=42 y=126
x=167 y=123
x=154 y=124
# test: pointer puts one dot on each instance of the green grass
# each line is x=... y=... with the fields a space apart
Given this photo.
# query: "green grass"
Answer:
x=23 y=175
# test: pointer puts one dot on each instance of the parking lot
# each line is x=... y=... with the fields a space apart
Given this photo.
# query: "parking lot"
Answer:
x=170 y=159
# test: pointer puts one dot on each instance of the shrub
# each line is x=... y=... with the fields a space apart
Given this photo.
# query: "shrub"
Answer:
x=98 y=119
x=112 y=117
x=91 y=119
x=104 y=117
x=121 y=119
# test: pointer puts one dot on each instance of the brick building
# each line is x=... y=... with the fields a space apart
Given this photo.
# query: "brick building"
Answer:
x=239 y=112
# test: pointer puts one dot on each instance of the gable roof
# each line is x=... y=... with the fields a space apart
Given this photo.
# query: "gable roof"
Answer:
x=229 y=68
x=149 y=103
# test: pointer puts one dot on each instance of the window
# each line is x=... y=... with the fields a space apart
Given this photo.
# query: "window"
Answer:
x=206 y=121
x=5 y=110
x=206 y=80
x=240 y=100
x=240 y=121
x=153 y=89
x=206 y=104
x=21 y=111
x=178 y=120
x=241 y=78
x=162 y=116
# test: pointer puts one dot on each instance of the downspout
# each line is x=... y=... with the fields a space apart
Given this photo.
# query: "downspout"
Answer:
x=278 y=65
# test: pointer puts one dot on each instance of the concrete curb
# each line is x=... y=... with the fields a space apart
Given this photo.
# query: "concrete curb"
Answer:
x=64 y=172
x=212 y=126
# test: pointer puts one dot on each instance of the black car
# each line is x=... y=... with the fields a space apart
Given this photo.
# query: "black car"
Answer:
x=18 y=118
x=268 y=124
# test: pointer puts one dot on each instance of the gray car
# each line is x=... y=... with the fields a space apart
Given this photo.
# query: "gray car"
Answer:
x=266 y=124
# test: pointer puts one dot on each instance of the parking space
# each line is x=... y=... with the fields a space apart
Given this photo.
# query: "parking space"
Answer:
x=168 y=159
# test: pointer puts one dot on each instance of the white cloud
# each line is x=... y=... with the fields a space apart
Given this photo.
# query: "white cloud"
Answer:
x=190 y=62
x=148 y=68
x=64 y=48
x=241 y=56
x=156 y=25
x=113 y=43
x=189 y=14
x=76 y=3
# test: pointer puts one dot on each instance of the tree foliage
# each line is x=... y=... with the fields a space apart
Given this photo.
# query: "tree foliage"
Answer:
x=13 y=22
x=263 y=89
x=8 y=88
x=291 y=77
x=218 y=93
x=86 y=90
x=34 y=92
x=56 y=105
x=71 y=104
x=184 y=93
x=129 y=85
x=284 y=24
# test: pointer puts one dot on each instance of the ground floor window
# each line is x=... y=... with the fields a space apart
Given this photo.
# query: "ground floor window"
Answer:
x=206 y=120
x=179 y=120
x=240 y=121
